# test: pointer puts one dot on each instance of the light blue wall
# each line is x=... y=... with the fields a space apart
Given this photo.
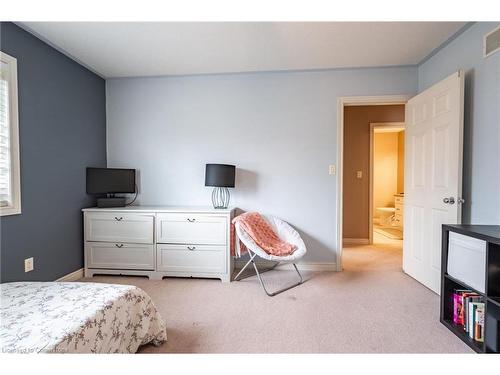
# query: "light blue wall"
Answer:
x=481 y=175
x=280 y=129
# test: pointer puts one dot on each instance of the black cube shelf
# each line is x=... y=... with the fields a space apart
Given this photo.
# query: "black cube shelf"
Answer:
x=491 y=235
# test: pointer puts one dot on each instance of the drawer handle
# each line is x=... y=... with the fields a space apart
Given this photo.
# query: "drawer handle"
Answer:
x=119 y=218
x=191 y=248
x=191 y=220
x=119 y=245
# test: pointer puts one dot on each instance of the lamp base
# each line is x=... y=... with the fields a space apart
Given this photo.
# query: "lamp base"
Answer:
x=220 y=197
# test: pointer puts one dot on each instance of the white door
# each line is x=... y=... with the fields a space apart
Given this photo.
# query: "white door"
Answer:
x=433 y=175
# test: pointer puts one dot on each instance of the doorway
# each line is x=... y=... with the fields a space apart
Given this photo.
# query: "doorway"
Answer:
x=387 y=183
x=354 y=226
x=433 y=166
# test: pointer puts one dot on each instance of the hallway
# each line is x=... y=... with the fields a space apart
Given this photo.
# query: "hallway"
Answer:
x=383 y=255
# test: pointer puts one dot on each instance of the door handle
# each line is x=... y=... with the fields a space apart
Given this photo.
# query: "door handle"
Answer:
x=449 y=200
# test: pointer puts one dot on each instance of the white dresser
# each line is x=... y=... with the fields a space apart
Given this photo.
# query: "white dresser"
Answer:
x=399 y=202
x=158 y=241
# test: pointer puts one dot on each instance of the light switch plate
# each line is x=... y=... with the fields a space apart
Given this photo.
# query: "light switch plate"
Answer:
x=332 y=169
x=28 y=265
x=359 y=174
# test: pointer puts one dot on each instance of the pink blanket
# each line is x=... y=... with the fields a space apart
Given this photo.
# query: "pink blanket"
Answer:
x=263 y=234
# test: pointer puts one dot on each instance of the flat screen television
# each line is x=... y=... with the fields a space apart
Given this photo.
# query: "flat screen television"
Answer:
x=110 y=181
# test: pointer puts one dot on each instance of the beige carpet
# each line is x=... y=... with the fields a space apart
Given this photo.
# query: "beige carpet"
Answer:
x=371 y=307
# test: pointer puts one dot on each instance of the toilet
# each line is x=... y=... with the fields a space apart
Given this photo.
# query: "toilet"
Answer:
x=385 y=215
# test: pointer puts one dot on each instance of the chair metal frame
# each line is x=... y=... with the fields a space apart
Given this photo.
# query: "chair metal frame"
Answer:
x=270 y=294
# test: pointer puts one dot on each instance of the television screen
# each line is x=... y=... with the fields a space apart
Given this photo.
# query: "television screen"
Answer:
x=110 y=180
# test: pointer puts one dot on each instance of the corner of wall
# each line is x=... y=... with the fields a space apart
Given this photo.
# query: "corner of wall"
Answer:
x=445 y=43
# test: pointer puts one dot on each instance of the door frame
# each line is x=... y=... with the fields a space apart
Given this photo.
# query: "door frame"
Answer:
x=342 y=102
x=373 y=126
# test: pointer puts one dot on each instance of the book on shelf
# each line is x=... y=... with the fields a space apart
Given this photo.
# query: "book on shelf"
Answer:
x=458 y=305
x=471 y=321
x=466 y=297
x=479 y=324
x=468 y=312
x=469 y=299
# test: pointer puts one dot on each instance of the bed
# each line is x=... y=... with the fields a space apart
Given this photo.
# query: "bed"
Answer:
x=74 y=317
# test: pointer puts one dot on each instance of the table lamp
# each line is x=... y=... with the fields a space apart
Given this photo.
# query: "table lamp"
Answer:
x=221 y=177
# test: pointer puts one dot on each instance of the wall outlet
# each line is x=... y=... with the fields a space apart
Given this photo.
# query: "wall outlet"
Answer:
x=28 y=265
x=359 y=174
x=332 y=170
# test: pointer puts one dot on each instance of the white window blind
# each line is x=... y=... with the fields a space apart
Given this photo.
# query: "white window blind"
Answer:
x=10 y=192
x=5 y=167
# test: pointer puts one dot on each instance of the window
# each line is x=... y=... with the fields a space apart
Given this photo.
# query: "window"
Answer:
x=10 y=187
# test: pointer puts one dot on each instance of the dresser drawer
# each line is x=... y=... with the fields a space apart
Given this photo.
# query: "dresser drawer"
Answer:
x=119 y=256
x=191 y=258
x=119 y=227
x=191 y=229
x=398 y=220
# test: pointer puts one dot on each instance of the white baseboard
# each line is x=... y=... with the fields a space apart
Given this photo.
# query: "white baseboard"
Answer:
x=356 y=241
x=73 y=276
x=306 y=266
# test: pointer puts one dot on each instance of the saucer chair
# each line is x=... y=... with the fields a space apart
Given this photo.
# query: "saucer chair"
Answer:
x=286 y=233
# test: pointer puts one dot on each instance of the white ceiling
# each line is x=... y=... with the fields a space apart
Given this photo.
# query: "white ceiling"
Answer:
x=124 y=49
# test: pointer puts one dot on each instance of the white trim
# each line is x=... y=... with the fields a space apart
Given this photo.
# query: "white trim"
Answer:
x=341 y=103
x=323 y=267
x=350 y=101
x=356 y=241
x=399 y=126
x=15 y=208
x=73 y=276
x=373 y=126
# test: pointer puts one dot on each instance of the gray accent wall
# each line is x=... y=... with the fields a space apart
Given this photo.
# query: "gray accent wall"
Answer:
x=62 y=124
x=481 y=172
x=279 y=129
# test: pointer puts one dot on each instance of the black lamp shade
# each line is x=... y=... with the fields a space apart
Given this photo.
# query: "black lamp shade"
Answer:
x=220 y=175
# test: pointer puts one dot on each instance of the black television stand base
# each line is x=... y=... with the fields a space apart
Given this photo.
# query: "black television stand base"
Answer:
x=111 y=202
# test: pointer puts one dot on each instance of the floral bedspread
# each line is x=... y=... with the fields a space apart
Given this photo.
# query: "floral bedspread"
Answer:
x=74 y=317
